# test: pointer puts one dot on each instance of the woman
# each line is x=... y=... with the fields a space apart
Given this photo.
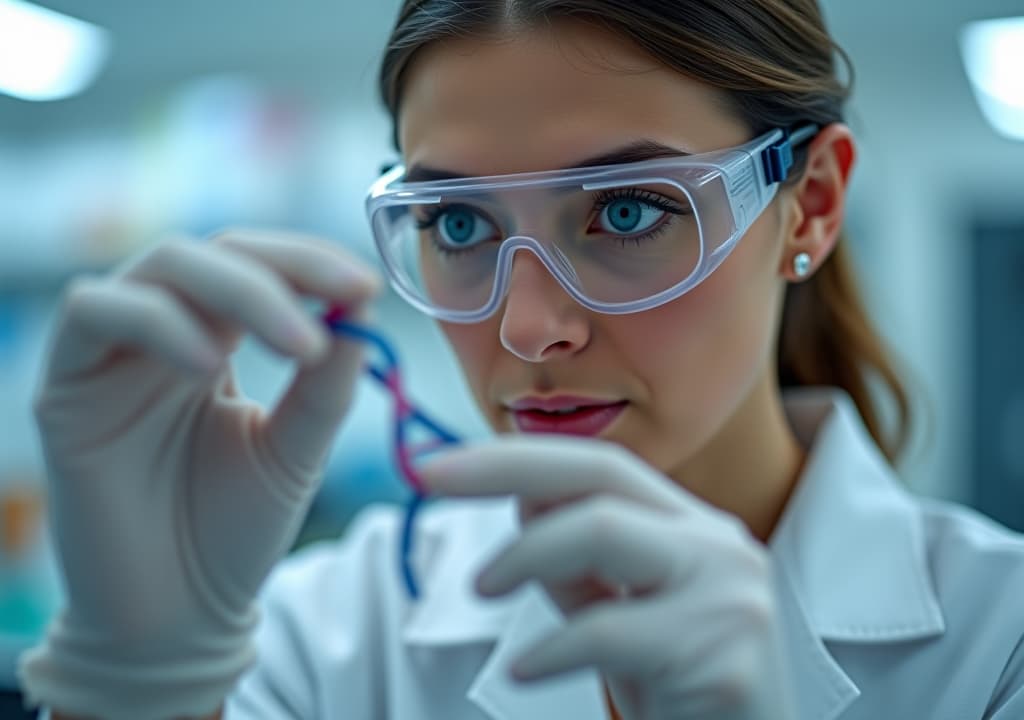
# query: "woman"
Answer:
x=622 y=250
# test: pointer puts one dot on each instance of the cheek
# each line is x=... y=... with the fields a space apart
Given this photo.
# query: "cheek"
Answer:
x=474 y=346
x=702 y=353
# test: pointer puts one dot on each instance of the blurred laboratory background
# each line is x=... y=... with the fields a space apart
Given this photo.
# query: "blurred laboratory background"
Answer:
x=187 y=117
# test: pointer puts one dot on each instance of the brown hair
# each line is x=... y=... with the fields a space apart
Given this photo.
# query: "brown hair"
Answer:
x=774 y=63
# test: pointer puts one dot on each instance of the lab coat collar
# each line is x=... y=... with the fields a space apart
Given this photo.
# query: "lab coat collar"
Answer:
x=851 y=540
x=849 y=553
x=849 y=560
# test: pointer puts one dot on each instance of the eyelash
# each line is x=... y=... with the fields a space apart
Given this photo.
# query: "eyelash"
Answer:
x=434 y=214
x=647 y=197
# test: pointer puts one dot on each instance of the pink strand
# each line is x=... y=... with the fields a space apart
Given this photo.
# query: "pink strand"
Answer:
x=336 y=314
x=403 y=408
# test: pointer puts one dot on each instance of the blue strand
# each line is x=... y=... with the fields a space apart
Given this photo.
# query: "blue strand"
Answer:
x=414 y=414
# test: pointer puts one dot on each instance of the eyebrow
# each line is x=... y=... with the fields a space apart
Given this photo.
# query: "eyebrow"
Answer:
x=632 y=152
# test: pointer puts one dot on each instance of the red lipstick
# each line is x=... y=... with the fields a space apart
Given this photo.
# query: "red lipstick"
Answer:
x=565 y=414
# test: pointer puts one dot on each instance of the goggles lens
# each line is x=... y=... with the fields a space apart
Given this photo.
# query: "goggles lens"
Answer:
x=612 y=245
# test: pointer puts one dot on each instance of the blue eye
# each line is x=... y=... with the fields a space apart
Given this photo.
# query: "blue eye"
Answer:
x=631 y=216
x=456 y=228
x=462 y=228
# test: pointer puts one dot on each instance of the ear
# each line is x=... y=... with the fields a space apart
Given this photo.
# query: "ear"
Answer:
x=817 y=203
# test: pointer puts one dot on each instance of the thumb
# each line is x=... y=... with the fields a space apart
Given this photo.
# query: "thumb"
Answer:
x=303 y=425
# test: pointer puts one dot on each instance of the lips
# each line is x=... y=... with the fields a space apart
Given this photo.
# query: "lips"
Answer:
x=565 y=414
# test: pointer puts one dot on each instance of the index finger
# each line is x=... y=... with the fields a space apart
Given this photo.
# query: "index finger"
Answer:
x=547 y=469
x=311 y=264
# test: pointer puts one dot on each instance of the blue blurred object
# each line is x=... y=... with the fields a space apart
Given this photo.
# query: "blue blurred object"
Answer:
x=9 y=327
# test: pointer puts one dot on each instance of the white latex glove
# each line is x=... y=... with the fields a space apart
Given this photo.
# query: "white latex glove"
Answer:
x=668 y=597
x=171 y=494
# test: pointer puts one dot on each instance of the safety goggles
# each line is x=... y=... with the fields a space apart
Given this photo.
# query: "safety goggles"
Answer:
x=618 y=238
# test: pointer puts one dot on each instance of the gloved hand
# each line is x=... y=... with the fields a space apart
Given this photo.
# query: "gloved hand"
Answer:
x=668 y=597
x=171 y=494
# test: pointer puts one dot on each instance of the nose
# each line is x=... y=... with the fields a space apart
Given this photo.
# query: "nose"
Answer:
x=540 y=321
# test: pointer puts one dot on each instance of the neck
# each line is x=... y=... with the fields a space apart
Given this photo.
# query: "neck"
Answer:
x=752 y=465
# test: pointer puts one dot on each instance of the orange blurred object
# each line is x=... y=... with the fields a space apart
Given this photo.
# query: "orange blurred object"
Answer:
x=20 y=515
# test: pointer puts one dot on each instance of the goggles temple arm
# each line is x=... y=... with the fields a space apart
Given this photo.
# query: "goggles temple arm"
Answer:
x=778 y=157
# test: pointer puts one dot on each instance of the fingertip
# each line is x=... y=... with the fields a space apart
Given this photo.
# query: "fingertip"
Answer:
x=438 y=471
x=304 y=339
x=522 y=671
x=373 y=283
x=359 y=282
x=318 y=347
x=205 y=361
x=487 y=584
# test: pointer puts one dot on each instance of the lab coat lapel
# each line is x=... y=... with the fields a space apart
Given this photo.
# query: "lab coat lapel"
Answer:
x=849 y=554
x=822 y=689
x=450 y=613
x=501 y=698
x=450 y=557
x=851 y=539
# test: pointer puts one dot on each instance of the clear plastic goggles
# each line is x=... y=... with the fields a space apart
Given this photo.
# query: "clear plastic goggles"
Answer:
x=618 y=238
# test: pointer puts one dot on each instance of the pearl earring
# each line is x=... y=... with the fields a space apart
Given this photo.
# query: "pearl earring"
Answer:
x=802 y=264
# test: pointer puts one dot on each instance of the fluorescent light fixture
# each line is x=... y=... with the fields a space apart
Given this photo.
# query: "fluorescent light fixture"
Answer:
x=993 y=53
x=45 y=55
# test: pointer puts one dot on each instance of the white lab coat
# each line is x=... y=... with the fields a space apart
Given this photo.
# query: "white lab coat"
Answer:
x=892 y=606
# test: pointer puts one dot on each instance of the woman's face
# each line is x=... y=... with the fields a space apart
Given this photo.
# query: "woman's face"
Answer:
x=546 y=99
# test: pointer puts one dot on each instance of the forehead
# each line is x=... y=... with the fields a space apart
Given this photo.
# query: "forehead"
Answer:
x=540 y=99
